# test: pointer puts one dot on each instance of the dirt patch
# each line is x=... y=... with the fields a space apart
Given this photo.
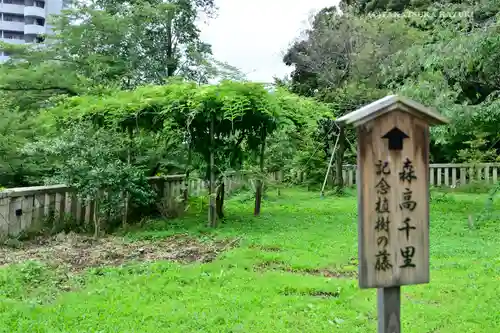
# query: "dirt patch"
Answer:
x=314 y=293
x=270 y=265
x=266 y=248
x=78 y=252
x=324 y=272
x=281 y=266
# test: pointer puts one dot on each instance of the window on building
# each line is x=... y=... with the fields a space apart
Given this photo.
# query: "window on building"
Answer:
x=13 y=18
x=33 y=20
x=14 y=2
x=36 y=3
x=13 y=35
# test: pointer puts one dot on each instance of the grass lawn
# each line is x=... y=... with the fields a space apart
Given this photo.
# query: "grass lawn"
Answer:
x=294 y=270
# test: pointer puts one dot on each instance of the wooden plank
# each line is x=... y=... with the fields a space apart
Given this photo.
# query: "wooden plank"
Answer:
x=67 y=203
x=27 y=214
x=447 y=176
x=350 y=177
x=479 y=174
x=389 y=310
x=495 y=175
x=80 y=211
x=200 y=187
x=167 y=194
x=74 y=206
x=33 y=190
x=15 y=213
x=463 y=176
x=38 y=210
x=454 y=177
x=89 y=213
x=50 y=206
x=385 y=218
x=439 y=183
x=462 y=165
x=4 y=215
x=471 y=175
x=487 y=174
x=59 y=208
x=432 y=172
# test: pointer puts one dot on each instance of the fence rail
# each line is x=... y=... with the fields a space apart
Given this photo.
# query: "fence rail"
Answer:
x=452 y=175
x=28 y=208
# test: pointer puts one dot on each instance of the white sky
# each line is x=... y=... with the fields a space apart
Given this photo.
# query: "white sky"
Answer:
x=253 y=35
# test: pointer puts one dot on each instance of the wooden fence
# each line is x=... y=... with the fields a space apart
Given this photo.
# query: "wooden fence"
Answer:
x=451 y=175
x=28 y=208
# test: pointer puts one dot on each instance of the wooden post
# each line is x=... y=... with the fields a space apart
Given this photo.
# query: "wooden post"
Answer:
x=393 y=195
x=260 y=181
x=212 y=214
x=389 y=310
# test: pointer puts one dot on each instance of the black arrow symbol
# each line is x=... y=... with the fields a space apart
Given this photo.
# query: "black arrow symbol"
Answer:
x=395 y=137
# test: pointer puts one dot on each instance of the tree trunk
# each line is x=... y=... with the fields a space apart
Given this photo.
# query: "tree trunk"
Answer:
x=127 y=194
x=185 y=194
x=219 y=202
x=260 y=182
x=171 y=61
x=339 y=161
x=212 y=213
x=97 y=215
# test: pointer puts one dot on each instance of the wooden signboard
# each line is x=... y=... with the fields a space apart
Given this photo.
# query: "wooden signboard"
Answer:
x=393 y=192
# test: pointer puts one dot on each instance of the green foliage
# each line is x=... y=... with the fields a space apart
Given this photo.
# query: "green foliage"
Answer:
x=33 y=282
x=440 y=54
x=114 y=44
x=478 y=151
x=16 y=129
x=92 y=161
x=240 y=112
x=132 y=43
x=287 y=256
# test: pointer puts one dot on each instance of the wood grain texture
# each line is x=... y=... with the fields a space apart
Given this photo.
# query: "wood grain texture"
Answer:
x=372 y=149
x=389 y=310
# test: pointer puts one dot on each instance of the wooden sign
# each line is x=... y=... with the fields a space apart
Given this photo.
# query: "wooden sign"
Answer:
x=393 y=192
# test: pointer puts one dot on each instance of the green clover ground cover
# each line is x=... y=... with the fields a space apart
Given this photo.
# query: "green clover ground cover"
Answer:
x=294 y=270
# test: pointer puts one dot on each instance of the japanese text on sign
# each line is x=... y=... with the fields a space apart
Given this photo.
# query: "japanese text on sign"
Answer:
x=407 y=175
x=383 y=262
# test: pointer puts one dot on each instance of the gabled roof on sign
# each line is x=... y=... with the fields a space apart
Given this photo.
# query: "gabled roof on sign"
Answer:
x=389 y=103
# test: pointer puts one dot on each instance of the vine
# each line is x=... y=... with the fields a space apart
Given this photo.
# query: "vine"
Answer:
x=223 y=122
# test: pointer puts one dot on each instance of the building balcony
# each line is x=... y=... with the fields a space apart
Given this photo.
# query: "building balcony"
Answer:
x=34 y=11
x=12 y=26
x=12 y=9
x=12 y=41
x=34 y=29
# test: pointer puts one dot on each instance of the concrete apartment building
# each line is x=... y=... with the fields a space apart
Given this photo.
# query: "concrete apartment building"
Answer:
x=23 y=21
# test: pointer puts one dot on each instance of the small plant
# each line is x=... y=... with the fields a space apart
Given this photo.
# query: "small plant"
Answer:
x=92 y=161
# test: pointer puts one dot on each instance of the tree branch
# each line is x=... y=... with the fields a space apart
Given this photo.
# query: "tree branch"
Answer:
x=69 y=91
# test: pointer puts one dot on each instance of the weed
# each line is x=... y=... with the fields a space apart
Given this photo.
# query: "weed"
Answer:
x=293 y=270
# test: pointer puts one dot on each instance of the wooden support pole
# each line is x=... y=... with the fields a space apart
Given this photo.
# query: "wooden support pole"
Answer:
x=212 y=214
x=393 y=191
x=260 y=182
x=389 y=309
